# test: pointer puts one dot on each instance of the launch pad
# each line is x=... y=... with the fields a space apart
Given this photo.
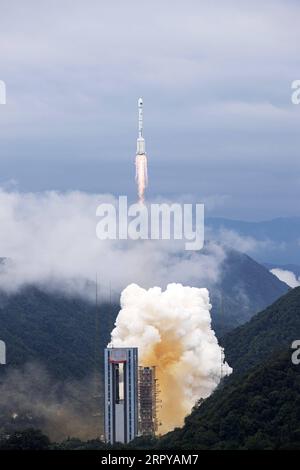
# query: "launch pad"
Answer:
x=130 y=396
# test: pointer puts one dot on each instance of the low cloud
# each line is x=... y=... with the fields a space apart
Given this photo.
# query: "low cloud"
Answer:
x=49 y=239
x=244 y=243
x=286 y=276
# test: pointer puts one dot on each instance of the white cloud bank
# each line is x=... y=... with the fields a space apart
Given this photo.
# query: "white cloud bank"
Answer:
x=286 y=276
x=50 y=239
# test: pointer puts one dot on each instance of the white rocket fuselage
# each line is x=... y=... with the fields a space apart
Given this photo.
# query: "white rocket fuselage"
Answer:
x=140 y=143
x=141 y=172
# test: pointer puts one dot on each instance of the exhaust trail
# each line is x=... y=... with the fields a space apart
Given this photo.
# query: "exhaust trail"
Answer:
x=141 y=176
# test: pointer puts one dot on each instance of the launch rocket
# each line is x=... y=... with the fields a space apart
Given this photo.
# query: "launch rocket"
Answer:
x=140 y=143
x=141 y=175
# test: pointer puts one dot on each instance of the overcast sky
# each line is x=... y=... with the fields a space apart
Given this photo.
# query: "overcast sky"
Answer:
x=216 y=81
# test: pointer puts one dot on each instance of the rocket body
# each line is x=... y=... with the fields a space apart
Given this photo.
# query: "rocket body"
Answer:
x=141 y=175
x=140 y=143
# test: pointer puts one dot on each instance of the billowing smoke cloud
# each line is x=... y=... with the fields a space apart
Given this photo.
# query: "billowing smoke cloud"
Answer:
x=286 y=276
x=172 y=330
x=30 y=397
x=50 y=239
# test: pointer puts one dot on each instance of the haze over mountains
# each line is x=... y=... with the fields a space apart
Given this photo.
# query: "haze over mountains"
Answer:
x=275 y=241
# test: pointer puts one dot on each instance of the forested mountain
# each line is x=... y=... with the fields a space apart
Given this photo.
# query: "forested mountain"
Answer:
x=273 y=329
x=54 y=330
x=258 y=410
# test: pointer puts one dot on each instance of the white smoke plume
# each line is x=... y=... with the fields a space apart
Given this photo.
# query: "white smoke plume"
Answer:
x=49 y=239
x=286 y=276
x=172 y=330
x=141 y=176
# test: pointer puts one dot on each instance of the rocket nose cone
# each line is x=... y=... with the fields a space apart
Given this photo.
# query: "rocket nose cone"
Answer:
x=140 y=101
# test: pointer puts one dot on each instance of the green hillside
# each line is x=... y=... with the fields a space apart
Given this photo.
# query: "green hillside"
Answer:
x=55 y=330
x=273 y=329
x=260 y=410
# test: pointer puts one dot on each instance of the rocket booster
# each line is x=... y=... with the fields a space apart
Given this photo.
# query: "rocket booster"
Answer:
x=141 y=172
x=140 y=143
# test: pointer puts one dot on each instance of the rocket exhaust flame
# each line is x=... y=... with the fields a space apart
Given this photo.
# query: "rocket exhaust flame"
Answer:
x=172 y=330
x=141 y=176
x=141 y=173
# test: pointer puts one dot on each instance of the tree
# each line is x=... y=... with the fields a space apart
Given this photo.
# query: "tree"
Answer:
x=30 y=439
